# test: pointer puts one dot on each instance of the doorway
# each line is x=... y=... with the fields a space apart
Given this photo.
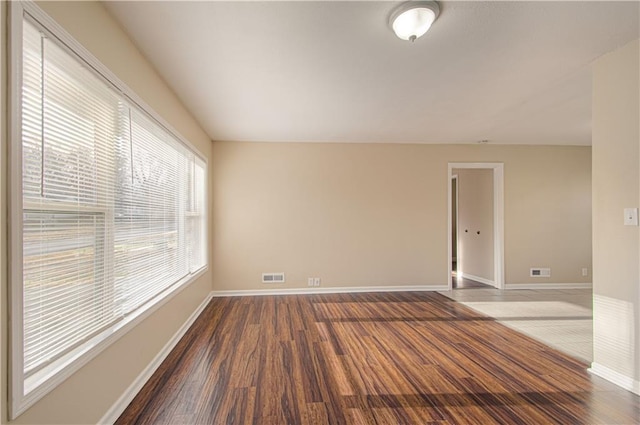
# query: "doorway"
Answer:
x=454 y=224
x=493 y=227
x=458 y=280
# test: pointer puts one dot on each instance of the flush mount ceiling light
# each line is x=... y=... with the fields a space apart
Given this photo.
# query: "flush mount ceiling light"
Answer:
x=413 y=19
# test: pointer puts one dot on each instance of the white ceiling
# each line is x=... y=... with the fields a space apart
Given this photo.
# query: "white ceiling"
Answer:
x=509 y=72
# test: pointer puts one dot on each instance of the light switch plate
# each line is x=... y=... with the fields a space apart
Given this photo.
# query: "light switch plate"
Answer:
x=630 y=216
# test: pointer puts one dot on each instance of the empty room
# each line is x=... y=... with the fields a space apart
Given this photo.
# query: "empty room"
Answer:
x=320 y=212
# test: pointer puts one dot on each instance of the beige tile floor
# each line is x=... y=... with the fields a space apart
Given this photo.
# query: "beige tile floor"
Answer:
x=560 y=318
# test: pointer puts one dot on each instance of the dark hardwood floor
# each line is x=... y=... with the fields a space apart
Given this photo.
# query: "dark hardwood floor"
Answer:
x=376 y=358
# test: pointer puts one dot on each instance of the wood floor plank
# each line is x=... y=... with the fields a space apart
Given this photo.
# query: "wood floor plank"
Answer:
x=373 y=358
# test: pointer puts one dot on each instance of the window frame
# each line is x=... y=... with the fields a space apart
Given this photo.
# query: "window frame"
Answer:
x=74 y=360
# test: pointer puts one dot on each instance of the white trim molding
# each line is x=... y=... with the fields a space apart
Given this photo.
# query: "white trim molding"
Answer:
x=545 y=285
x=328 y=290
x=127 y=397
x=623 y=381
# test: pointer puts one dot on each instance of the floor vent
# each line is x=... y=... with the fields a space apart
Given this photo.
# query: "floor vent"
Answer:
x=272 y=277
x=539 y=272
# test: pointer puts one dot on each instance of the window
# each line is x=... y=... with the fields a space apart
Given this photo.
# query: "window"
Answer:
x=112 y=212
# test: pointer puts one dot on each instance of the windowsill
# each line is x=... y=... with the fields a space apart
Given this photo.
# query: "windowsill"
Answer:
x=45 y=380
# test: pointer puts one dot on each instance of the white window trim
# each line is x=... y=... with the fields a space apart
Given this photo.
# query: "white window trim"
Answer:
x=20 y=402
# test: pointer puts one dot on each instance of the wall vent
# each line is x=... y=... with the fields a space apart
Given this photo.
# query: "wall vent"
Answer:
x=539 y=272
x=272 y=277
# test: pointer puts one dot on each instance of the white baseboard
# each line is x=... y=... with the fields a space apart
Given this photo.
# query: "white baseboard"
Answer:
x=617 y=378
x=476 y=278
x=545 y=285
x=121 y=404
x=328 y=290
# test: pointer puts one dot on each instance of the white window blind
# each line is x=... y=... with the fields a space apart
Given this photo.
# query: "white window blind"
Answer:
x=113 y=204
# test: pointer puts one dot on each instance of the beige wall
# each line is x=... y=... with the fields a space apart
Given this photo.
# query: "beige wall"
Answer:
x=376 y=215
x=475 y=214
x=86 y=396
x=616 y=185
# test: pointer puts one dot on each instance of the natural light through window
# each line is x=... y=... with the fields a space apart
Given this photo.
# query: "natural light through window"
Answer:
x=113 y=208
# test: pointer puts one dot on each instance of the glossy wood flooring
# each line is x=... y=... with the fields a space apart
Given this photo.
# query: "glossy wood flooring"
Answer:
x=378 y=358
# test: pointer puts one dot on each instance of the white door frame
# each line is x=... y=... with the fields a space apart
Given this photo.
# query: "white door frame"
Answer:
x=498 y=217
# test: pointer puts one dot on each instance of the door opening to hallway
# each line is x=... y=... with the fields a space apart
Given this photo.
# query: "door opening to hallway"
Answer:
x=475 y=225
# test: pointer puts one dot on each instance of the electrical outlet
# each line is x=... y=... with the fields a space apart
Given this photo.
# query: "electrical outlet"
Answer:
x=630 y=216
x=585 y=272
x=310 y=281
x=316 y=281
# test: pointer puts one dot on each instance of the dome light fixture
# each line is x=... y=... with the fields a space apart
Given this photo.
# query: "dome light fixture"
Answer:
x=412 y=19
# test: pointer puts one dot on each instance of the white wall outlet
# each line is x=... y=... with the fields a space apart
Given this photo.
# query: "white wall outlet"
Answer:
x=630 y=216
x=585 y=271
x=316 y=281
x=310 y=281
